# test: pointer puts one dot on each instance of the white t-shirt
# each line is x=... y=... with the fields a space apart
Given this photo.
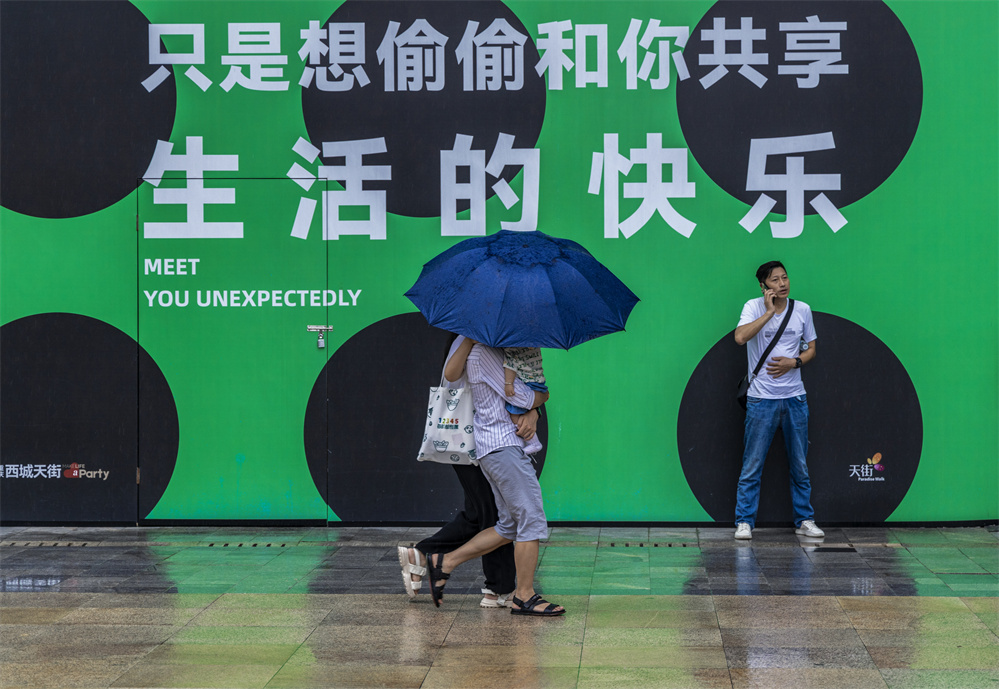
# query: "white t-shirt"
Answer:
x=799 y=328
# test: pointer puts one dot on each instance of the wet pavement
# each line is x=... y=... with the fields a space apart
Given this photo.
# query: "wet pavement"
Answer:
x=648 y=607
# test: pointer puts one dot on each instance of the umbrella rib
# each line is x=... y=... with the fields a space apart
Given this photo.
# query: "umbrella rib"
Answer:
x=502 y=303
x=558 y=314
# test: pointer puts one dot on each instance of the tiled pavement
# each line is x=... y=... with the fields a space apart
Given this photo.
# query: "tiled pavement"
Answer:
x=648 y=607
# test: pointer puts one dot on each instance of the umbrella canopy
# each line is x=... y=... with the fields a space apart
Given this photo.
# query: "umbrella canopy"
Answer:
x=522 y=289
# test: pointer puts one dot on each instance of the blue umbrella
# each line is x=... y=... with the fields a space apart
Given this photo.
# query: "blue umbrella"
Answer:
x=522 y=289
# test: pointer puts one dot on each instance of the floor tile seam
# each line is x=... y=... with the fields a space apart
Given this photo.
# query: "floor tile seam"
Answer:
x=586 y=628
x=129 y=667
x=190 y=622
x=437 y=650
x=294 y=653
x=857 y=636
x=839 y=600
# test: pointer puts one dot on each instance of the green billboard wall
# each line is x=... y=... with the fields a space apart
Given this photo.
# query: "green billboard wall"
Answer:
x=188 y=186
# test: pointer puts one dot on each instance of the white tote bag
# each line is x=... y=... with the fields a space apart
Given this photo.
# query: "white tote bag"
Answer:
x=448 y=434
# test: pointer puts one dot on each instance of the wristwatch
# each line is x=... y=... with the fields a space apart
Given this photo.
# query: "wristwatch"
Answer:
x=797 y=362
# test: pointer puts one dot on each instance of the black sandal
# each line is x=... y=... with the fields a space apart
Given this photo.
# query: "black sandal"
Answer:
x=531 y=607
x=435 y=574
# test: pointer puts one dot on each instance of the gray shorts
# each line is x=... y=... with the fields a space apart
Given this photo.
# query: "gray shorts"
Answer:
x=518 y=494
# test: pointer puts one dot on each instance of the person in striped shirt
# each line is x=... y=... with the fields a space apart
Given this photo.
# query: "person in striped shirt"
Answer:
x=478 y=512
x=504 y=443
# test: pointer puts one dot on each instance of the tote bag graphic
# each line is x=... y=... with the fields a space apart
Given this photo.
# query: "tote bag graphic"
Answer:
x=448 y=436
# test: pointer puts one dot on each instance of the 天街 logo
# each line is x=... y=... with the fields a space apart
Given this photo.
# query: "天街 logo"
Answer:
x=870 y=470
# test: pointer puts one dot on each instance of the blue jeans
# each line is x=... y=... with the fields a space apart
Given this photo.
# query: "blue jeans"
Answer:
x=762 y=419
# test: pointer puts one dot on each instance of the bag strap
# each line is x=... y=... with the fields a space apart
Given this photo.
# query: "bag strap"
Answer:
x=780 y=331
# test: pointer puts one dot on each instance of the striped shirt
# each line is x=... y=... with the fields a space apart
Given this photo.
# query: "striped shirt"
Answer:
x=493 y=427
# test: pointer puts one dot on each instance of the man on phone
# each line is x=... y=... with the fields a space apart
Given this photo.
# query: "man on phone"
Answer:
x=776 y=397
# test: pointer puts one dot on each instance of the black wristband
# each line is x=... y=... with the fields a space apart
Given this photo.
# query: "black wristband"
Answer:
x=797 y=362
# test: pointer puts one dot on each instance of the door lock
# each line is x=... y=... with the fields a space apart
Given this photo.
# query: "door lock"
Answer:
x=322 y=330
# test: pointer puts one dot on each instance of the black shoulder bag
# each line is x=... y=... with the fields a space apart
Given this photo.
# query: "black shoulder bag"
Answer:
x=744 y=382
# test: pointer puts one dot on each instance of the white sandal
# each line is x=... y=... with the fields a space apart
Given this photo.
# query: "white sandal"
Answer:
x=409 y=570
x=501 y=600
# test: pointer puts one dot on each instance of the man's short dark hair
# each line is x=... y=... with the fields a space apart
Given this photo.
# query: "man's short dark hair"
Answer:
x=763 y=272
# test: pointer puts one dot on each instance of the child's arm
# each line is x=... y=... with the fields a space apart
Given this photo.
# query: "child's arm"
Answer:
x=510 y=375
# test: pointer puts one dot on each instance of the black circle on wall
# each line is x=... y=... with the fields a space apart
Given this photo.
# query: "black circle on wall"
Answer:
x=861 y=404
x=872 y=112
x=77 y=390
x=418 y=125
x=77 y=127
x=361 y=447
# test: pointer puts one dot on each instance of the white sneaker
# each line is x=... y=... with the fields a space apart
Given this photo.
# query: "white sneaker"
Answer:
x=502 y=600
x=743 y=532
x=809 y=529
